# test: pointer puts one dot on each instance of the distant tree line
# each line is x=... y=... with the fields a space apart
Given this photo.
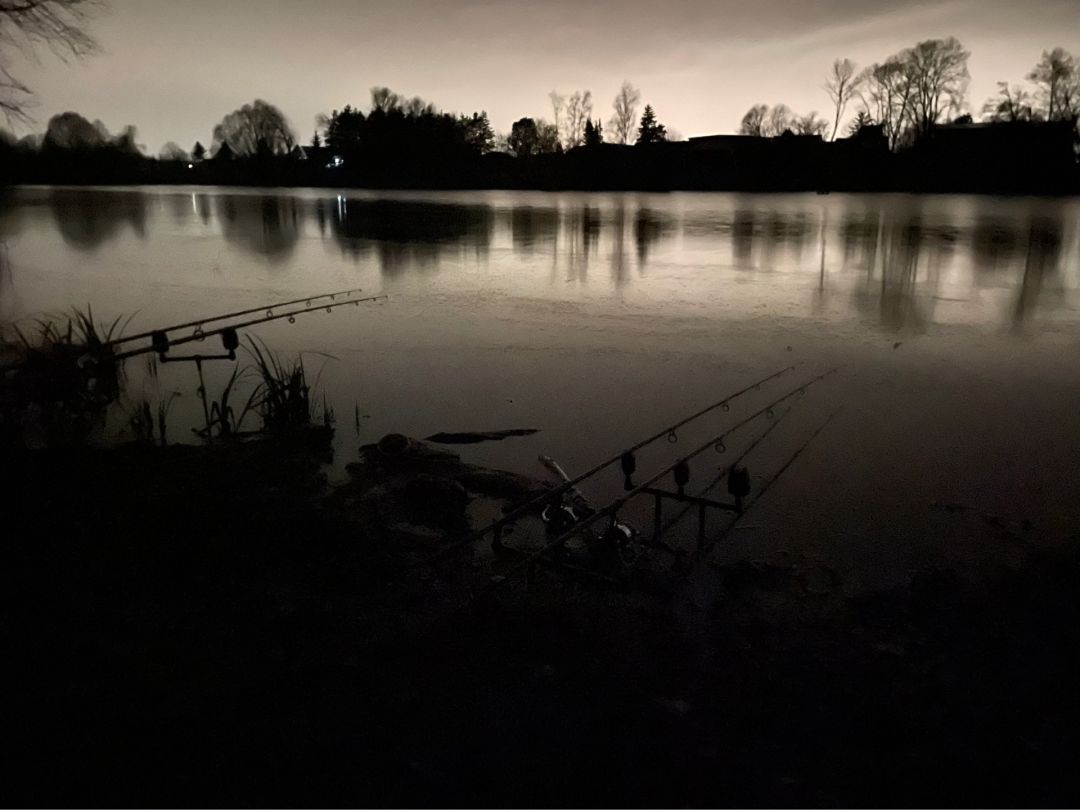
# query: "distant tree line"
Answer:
x=921 y=87
x=1053 y=92
x=396 y=140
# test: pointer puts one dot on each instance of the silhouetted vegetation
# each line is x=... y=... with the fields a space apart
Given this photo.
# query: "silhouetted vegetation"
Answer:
x=254 y=130
x=400 y=141
x=911 y=131
x=59 y=24
x=594 y=133
x=841 y=86
x=529 y=137
x=651 y=130
x=624 y=119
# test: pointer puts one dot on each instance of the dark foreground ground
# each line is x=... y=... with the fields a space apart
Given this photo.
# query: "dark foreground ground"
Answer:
x=192 y=628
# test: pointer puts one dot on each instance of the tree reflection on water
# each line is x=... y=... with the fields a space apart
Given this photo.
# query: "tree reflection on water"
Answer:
x=900 y=262
x=406 y=235
x=84 y=223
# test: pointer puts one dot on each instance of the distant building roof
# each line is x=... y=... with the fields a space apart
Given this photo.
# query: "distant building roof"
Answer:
x=309 y=152
x=725 y=141
x=1017 y=135
x=998 y=125
x=750 y=142
x=1007 y=155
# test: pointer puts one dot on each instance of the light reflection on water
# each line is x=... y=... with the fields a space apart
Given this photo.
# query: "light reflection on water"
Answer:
x=906 y=262
x=599 y=317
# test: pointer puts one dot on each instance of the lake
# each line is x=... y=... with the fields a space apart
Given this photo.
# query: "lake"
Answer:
x=600 y=318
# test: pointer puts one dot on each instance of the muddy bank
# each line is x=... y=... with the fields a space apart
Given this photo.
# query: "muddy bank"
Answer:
x=216 y=625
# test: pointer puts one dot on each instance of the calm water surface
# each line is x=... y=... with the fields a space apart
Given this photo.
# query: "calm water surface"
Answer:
x=598 y=318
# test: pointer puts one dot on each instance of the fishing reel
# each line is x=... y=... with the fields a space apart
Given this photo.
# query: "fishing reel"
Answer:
x=624 y=540
x=559 y=518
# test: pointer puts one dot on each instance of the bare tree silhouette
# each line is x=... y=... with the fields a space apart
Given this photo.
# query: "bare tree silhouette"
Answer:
x=939 y=76
x=383 y=99
x=1057 y=79
x=578 y=110
x=548 y=137
x=841 y=86
x=624 y=120
x=1010 y=104
x=778 y=121
x=886 y=91
x=26 y=24
x=810 y=124
x=753 y=123
x=558 y=106
x=254 y=128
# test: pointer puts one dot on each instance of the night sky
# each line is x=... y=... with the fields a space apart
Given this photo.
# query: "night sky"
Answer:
x=175 y=68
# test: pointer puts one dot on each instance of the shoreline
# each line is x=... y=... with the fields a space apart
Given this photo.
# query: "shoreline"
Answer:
x=95 y=185
x=257 y=643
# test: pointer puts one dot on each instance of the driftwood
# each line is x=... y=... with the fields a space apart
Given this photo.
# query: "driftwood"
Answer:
x=481 y=436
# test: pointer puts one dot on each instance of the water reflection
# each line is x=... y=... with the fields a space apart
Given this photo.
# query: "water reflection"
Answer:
x=582 y=231
x=785 y=232
x=900 y=263
x=620 y=269
x=650 y=226
x=742 y=238
x=84 y=223
x=200 y=206
x=6 y=280
x=11 y=213
x=905 y=301
x=858 y=235
x=406 y=235
x=1041 y=266
x=534 y=229
x=267 y=226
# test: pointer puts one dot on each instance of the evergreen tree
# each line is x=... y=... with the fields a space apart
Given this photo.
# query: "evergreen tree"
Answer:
x=594 y=133
x=316 y=141
x=198 y=152
x=477 y=132
x=651 y=130
x=861 y=120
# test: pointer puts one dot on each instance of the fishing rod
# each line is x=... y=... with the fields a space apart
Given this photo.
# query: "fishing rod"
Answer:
x=269 y=309
x=776 y=476
x=666 y=527
x=160 y=342
x=612 y=508
x=568 y=485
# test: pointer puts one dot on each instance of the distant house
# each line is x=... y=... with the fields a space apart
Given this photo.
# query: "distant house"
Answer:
x=733 y=146
x=322 y=156
x=1023 y=136
x=748 y=161
x=791 y=162
x=315 y=153
x=860 y=162
x=869 y=138
x=744 y=143
x=1010 y=156
x=224 y=152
